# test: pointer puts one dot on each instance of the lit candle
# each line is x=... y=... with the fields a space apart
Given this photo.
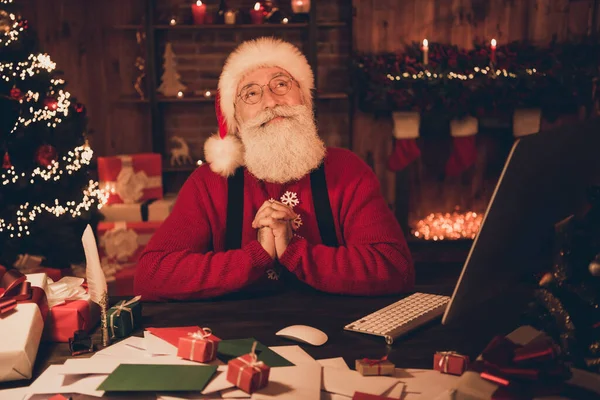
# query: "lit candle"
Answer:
x=256 y=14
x=425 y=51
x=300 y=6
x=199 y=12
x=173 y=21
x=493 y=46
x=230 y=17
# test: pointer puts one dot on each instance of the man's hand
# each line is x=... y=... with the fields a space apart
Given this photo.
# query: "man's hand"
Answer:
x=267 y=240
x=278 y=218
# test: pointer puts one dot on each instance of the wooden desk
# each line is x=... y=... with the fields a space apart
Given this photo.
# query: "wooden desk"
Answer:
x=261 y=316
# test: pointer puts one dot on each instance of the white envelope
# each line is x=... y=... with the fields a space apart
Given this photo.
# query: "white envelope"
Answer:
x=294 y=354
x=52 y=381
x=18 y=349
x=13 y=394
x=424 y=383
x=337 y=362
x=346 y=382
x=157 y=346
x=218 y=382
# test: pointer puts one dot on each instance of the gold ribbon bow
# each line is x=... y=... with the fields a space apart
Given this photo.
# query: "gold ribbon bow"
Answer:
x=202 y=334
x=443 y=363
x=254 y=363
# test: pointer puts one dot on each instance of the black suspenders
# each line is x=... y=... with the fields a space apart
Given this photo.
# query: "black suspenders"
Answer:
x=235 y=208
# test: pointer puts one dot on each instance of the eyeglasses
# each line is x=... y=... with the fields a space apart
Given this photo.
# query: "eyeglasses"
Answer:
x=279 y=85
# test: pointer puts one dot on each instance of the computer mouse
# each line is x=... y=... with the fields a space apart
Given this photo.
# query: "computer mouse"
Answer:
x=304 y=334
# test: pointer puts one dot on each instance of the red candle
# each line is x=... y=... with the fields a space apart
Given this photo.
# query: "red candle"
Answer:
x=199 y=12
x=493 y=46
x=256 y=14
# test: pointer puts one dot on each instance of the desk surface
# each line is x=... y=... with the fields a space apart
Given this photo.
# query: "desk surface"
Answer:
x=261 y=316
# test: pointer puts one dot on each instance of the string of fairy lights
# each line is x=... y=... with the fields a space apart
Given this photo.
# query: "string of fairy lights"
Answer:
x=51 y=112
x=453 y=75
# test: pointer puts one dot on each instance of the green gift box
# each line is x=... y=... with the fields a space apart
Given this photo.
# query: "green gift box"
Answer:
x=124 y=317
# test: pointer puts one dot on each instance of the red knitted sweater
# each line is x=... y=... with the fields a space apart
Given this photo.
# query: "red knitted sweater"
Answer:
x=186 y=257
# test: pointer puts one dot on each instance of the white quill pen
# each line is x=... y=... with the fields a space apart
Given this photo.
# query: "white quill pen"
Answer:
x=96 y=280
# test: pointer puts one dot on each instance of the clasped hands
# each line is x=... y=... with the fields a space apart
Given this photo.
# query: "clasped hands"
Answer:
x=274 y=223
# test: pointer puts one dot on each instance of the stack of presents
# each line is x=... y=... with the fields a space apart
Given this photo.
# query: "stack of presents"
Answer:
x=135 y=209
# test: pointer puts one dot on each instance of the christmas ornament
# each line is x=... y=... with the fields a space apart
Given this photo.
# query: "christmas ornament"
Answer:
x=46 y=155
x=6 y=163
x=594 y=266
x=16 y=93
x=5 y=21
x=140 y=64
x=51 y=103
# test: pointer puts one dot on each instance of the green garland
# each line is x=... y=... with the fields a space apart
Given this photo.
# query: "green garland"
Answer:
x=457 y=82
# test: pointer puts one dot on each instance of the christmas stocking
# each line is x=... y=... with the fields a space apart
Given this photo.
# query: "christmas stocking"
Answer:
x=406 y=132
x=464 y=151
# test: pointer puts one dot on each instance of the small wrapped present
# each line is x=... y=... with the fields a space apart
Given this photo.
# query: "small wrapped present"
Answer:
x=22 y=322
x=131 y=178
x=370 y=367
x=197 y=346
x=149 y=210
x=123 y=242
x=71 y=309
x=450 y=362
x=124 y=317
x=247 y=373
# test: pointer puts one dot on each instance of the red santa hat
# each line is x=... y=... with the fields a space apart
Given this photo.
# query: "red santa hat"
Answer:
x=224 y=151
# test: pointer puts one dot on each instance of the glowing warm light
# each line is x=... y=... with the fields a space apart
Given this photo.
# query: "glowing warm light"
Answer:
x=207 y=93
x=425 y=44
x=180 y=94
x=285 y=20
x=448 y=226
x=494 y=43
x=173 y=21
x=257 y=6
x=199 y=162
x=198 y=3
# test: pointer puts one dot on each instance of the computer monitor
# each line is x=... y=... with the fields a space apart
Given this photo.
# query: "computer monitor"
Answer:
x=544 y=180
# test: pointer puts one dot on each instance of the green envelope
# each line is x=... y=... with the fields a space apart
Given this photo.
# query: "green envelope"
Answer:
x=147 y=377
x=229 y=349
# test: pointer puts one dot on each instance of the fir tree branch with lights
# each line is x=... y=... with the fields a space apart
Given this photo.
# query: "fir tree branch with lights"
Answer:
x=46 y=194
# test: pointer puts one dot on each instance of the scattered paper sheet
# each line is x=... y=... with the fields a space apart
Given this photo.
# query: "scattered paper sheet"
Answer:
x=132 y=347
x=333 y=396
x=219 y=381
x=396 y=391
x=172 y=335
x=157 y=346
x=337 y=362
x=346 y=382
x=424 y=383
x=229 y=349
x=89 y=366
x=294 y=354
x=234 y=393
x=190 y=396
x=292 y=383
x=52 y=381
x=14 y=394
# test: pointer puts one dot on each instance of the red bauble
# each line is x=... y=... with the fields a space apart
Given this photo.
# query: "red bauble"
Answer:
x=16 y=93
x=45 y=155
x=79 y=107
x=51 y=103
x=6 y=164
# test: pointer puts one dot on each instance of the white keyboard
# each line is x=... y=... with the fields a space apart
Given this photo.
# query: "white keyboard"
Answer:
x=402 y=316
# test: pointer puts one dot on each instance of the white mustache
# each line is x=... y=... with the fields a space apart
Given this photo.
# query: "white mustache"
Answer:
x=270 y=113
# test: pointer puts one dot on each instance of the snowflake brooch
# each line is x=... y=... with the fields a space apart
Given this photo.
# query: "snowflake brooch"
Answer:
x=290 y=199
x=273 y=275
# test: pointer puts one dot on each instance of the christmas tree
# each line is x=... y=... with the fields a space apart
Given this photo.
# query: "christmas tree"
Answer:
x=171 y=80
x=46 y=195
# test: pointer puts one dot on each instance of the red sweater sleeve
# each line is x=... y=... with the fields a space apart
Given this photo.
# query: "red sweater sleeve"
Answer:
x=178 y=262
x=374 y=258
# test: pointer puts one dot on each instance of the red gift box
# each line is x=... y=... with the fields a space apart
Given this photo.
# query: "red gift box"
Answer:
x=131 y=178
x=247 y=373
x=197 y=346
x=74 y=315
x=450 y=362
x=123 y=242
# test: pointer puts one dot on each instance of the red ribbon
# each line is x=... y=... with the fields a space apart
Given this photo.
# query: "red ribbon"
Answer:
x=372 y=361
x=15 y=289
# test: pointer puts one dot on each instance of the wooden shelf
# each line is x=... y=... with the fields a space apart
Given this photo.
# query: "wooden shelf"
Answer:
x=325 y=25
x=127 y=27
x=332 y=96
x=186 y=99
x=183 y=168
x=131 y=100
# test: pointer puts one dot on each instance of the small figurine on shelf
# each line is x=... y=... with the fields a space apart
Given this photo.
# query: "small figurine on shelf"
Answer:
x=180 y=155
x=171 y=84
x=140 y=65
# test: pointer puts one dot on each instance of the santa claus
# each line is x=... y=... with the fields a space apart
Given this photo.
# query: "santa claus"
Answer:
x=272 y=201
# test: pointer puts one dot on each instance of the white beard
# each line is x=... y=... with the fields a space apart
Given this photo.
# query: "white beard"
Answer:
x=284 y=150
